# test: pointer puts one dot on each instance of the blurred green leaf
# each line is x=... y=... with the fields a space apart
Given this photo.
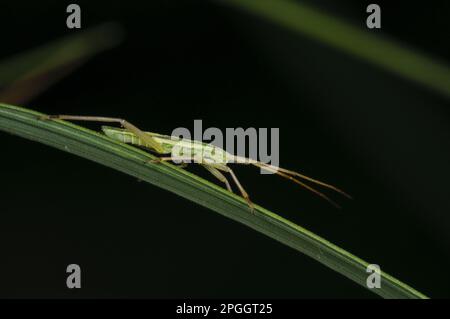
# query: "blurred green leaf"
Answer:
x=357 y=41
x=29 y=73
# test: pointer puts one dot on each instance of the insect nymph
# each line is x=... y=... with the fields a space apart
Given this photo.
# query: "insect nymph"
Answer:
x=212 y=158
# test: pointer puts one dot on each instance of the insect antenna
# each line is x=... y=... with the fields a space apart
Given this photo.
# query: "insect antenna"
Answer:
x=290 y=175
x=307 y=178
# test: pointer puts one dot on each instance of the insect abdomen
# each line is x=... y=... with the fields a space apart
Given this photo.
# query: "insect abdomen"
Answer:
x=121 y=136
x=124 y=136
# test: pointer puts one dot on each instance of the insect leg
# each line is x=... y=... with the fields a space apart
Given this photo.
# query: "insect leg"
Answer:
x=167 y=159
x=222 y=167
x=218 y=175
x=238 y=184
x=148 y=140
x=214 y=171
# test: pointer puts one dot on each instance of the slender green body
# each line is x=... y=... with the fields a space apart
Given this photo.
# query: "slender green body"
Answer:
x=184 y=148
x=211 y=157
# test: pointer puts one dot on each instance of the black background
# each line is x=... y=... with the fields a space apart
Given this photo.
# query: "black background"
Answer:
x=380 y=137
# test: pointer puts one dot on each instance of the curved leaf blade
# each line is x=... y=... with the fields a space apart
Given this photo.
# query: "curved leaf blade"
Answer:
x=133 y=161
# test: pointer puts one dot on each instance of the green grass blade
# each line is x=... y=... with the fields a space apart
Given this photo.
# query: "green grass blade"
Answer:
x=133 y=161
x=359 y=42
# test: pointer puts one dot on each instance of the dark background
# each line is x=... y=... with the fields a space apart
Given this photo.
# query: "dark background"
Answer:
x=380 y=137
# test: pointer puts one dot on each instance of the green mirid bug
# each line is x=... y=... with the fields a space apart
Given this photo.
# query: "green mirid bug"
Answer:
x=212 y=158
